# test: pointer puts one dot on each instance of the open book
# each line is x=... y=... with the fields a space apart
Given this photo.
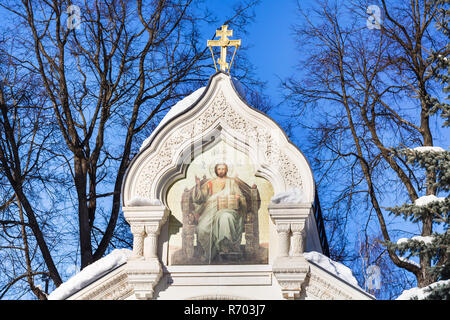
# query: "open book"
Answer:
x=228 y=202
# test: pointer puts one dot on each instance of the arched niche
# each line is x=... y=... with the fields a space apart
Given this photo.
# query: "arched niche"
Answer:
x=238 y=148
x=219 y=113
x=185 y=245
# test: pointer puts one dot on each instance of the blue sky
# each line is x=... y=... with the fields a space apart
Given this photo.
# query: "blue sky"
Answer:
x=272 y=48
x=271 y=45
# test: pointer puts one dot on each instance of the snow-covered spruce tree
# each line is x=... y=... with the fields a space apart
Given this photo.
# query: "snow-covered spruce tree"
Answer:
x=431 y=247
x=441 y=63
x=436 y=163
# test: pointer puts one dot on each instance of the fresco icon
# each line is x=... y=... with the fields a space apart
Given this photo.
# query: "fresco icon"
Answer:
x=220 y=215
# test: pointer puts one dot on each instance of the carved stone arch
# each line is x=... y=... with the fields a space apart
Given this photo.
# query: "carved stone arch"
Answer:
x=191 y=149
x=279 y=161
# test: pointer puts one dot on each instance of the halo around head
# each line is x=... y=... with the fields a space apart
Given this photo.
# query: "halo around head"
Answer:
x=221 y=160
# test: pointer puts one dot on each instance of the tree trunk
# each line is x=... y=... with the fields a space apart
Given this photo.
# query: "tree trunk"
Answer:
x=80 y=179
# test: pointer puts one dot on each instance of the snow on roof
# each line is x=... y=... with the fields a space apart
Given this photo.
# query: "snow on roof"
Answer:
x=242 y=91
x=294 y=195
x=425 y=200
x=177 y=109
x=118 y=257
x=420 y=292
x=425 y=149
x=336 y=268
x=91 y=273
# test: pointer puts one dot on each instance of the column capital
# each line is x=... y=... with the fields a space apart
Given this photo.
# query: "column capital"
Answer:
x=144 y=270
x=283 y=227
x=146 y=215
x=138 y=229
x=289 y=213
x=298 y=227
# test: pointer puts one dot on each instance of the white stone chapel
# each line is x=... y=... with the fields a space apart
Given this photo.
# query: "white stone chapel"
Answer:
x=221 y=205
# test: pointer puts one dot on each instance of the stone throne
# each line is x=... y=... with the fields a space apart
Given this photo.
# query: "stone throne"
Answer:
x=250 y=252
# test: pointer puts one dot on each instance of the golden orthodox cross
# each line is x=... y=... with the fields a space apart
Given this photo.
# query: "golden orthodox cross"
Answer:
x=223 y=43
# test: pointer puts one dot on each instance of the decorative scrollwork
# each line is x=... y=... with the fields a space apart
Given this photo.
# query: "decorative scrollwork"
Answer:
x=219 y=110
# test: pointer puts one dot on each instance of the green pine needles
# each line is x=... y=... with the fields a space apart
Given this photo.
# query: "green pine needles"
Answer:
x=433 y=250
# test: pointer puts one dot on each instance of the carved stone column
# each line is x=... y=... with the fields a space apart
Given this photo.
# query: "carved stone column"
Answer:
x=290 y=267
x=298 y=239
x=144 y=269
x=283 y=230
x=151 y=241
x=138 y=231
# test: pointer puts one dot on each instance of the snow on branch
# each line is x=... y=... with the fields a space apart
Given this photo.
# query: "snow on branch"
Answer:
x=426 y=240
x=420 y=293
x=426 y=149
x=425 y=200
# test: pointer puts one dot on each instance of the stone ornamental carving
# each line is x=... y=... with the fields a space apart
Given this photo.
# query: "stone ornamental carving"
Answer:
x=320 y=289
x=219 y=111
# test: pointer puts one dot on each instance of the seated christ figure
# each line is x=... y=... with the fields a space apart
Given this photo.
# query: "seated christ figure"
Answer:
x=219 y=208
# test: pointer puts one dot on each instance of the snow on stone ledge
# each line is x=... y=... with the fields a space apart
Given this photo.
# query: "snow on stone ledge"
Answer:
x=425 y=200
x=331 y=266
x=425 y=149
x=420 y=292
x=178 y=108
x=141 y=202
x=294 y=195
x=91 y=273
